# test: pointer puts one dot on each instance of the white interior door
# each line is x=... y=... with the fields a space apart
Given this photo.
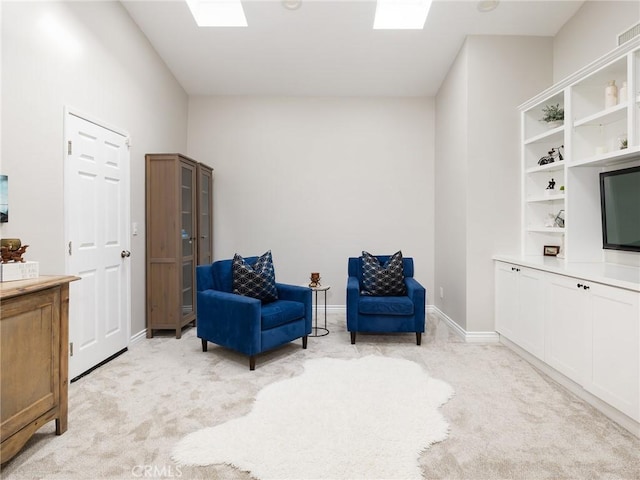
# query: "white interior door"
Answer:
x=97 y=226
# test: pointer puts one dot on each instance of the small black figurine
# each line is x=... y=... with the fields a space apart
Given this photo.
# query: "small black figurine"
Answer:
x=552 y=184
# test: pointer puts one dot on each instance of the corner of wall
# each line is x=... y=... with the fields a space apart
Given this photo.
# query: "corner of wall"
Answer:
x=450 y=198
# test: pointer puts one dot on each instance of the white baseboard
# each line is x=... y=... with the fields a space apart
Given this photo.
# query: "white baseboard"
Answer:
x=333 y=308
x=469 y=337
x=138 y=336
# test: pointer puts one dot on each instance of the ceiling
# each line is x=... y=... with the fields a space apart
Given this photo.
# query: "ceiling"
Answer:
x=328 y=48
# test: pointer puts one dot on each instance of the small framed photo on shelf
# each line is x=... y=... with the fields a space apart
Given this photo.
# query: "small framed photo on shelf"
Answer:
x=551 y=250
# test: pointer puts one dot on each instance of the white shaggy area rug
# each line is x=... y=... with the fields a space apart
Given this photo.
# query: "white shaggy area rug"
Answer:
x=367 y=418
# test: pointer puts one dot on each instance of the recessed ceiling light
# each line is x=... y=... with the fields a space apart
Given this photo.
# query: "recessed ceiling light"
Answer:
x=292 y=4
x=487 y=5
x=217 y=13
x=401 y=14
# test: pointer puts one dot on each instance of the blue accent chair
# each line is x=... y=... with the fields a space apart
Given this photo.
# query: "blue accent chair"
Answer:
x=243 y=323
x=366 y=313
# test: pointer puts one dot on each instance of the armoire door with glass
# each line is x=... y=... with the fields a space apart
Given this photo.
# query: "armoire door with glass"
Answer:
x=205 y=215
x=189 y=239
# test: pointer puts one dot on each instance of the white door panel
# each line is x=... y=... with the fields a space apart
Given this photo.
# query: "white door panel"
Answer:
x=97 y=219
x=84 y=306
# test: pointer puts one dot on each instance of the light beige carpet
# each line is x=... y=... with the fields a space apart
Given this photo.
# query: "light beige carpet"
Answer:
x=507 y=420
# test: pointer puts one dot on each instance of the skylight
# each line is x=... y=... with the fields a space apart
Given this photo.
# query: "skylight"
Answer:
x=401 y=14
x=217 y=13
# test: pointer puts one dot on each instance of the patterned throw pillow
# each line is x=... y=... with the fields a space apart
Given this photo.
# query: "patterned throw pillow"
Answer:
x=383 y=280
x=257 y=280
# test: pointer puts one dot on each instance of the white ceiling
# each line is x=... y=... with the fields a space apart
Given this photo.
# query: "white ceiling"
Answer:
x=328 y=48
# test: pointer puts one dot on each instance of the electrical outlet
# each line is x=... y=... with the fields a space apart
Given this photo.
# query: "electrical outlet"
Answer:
x=441 y=292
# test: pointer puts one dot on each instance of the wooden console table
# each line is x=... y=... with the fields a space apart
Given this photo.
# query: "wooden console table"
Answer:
x=34 y=349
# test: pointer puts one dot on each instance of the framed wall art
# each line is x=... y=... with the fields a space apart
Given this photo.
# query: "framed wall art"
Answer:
x=4 y=198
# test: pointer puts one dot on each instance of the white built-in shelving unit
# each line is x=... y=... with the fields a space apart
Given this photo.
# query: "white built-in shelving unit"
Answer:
x=590 y=141
x=577 y=316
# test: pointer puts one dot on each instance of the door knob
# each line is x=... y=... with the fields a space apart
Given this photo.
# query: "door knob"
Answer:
x=125 y=253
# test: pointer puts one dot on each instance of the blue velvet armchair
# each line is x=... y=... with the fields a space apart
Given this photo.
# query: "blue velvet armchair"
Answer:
x=385 y=314
x=246 y=324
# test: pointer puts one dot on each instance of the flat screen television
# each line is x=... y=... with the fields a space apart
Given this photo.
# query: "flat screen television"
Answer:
x=620 y=207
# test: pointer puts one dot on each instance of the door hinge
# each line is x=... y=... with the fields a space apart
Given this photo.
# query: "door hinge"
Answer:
x=69 y=147
x=70 y=244
x=71 y=349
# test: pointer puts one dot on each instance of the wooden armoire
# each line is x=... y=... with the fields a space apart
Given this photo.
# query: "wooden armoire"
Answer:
x=179 y=231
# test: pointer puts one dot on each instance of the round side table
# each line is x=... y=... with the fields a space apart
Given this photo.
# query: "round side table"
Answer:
x=316 y=330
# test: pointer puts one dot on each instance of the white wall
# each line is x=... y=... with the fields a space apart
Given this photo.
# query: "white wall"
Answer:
x=450 y=227
x=478 y=165
x=591 y=33
x=503 y=73
x=317 y=180
x=90 y=56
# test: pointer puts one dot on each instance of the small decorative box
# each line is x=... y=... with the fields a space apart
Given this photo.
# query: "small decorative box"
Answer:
x=18 y=271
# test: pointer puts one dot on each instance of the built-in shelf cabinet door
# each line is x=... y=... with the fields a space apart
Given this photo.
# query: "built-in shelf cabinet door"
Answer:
x=520 y=306
x=612 y=352
x=530 y=319
x=565 y=315
x=506 y=300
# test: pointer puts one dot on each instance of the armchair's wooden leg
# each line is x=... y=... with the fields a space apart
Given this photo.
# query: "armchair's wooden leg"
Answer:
x=418 y=338
x=252 y=362
x=204 y=345
x=353 y=338
x=304 y=342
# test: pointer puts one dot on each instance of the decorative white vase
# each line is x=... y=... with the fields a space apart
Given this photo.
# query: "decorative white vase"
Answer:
x=611 y=95
x=622 y=93
x=554 y=123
